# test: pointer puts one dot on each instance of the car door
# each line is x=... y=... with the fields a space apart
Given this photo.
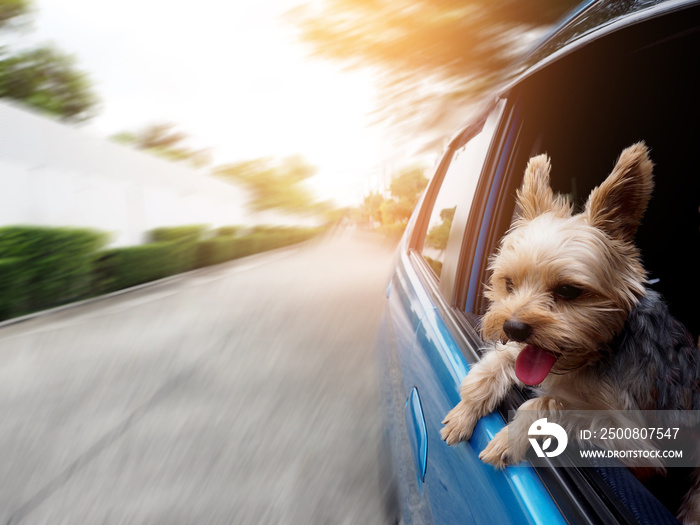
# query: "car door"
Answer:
x=451 y=484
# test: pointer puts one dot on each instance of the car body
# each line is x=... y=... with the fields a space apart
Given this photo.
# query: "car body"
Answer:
x=613 y=73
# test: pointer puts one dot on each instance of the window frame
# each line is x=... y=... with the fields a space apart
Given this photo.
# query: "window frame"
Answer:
x=420 y=228
x=445 y=286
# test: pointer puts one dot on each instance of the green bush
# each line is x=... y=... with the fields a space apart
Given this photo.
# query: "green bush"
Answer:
x=270 y=238
x=215 y=250
x=230 y=231
x=185 y=238
x=247 y=245
x=119 y=268
x=59 y=262
x=123 y=267
x=260 y=239
x=41 y=267
x=15 y=276
x=178 y=233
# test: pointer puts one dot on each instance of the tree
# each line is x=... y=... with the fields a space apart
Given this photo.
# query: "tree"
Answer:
x=275 y=184
x=406 y=189
x=43 y=77
x=437 y=236
x=370 y=210
x=427 y=50
x=408 y=186
x=163 y=140
x=393 y=213
x=12 y=12
x=47 y=79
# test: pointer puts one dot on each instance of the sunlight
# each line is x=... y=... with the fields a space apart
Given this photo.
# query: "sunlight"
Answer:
x=232 y=76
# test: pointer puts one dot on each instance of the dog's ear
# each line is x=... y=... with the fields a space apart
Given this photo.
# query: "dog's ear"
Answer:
x=536 y=196
x=618 y=204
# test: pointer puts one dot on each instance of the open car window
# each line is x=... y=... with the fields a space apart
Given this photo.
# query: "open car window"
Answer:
x=639 y=92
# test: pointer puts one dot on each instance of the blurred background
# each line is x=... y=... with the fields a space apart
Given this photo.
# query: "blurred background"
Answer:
x=199 y=209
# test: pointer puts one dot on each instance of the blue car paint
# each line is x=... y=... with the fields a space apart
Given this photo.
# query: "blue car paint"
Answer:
x=395 y=338
x=415 y=421
x=434 y=366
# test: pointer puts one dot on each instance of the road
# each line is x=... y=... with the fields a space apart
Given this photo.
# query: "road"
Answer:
x=242 y=393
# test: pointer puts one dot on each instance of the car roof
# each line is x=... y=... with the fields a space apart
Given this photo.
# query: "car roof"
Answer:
x=588 y=22
x=591 y=20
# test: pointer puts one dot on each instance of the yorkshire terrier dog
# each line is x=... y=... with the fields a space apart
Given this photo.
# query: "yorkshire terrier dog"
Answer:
x=571 y=316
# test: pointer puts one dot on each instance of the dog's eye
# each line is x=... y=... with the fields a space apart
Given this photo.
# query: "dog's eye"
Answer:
x=509 y=285
x=568 y=292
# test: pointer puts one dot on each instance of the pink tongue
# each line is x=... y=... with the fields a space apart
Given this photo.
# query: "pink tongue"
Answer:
x=533 y=364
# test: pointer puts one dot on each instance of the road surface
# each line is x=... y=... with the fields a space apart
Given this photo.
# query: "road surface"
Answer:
x=242 y=393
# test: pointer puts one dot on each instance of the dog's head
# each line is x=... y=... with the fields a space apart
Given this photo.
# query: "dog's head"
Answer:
x=561 y=284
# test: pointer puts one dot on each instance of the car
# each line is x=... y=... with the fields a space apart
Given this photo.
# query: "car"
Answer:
x=612 y=74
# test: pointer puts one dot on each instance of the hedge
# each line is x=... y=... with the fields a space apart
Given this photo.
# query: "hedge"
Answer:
x=119 y=268
x=178 y=233
x=57 y=264
x=41 y=267
x=185 y=238
x=216 y=250
x=260 y=239
x=230 y=231
x=15 y=275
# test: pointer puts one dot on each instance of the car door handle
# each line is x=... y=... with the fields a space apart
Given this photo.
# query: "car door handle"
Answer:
x=417 y=434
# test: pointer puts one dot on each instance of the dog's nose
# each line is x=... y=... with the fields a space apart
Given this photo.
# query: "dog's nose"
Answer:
x=517 y=330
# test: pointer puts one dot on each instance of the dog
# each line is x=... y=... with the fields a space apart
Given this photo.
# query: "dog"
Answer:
x=572 y=318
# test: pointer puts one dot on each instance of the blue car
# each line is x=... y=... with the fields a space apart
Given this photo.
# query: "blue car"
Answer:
x=612 y=74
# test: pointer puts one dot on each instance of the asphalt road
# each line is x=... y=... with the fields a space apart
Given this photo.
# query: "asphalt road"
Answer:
x=243 y=393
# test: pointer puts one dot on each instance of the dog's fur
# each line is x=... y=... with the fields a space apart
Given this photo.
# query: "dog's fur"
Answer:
x=616 y=345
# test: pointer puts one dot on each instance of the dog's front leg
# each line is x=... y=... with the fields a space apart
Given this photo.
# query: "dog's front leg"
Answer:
x=510 y=445
x=485 y=386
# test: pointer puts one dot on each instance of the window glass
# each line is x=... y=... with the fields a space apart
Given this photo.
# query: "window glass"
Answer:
x=455 y=197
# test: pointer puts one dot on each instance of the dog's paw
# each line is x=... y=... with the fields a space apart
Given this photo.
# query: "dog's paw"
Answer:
x=496 y=453
x=459 y=425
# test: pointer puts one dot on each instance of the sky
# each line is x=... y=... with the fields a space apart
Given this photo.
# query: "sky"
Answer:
x=232 y=75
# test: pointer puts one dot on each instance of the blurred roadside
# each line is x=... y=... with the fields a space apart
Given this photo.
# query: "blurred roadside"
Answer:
x=245 y=393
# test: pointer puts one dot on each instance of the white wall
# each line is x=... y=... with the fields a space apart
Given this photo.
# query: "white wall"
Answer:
x=55 y=175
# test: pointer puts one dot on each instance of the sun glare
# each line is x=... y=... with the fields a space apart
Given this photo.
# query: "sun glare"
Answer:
x=231 y=75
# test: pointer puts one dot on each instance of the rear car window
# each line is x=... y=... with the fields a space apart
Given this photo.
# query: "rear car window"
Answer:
x=453 y=200
x=440 y=222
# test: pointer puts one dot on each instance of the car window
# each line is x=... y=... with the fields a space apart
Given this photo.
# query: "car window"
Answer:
x=609 y=121
x=443 y=211
x=451 y=206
